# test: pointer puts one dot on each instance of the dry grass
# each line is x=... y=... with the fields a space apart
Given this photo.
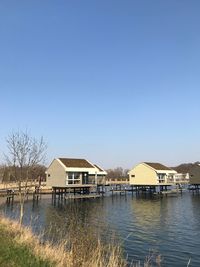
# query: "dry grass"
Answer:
x=24 y=236
x=68 y=253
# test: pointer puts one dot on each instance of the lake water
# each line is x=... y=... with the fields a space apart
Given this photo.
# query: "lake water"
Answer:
x=169 y=226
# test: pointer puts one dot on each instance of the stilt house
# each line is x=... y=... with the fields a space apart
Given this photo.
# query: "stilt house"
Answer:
x=66 y=172
x=151 y=174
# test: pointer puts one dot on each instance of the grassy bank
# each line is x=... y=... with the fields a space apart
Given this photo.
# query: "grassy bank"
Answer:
x=14 y=254
x=20 y=247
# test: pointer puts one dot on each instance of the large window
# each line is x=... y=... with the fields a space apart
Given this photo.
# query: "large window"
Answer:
x=74 y=177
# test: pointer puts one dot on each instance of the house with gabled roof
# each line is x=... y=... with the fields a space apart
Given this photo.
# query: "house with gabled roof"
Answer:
x=69 y=172
x=194 y=174
x=151 y=174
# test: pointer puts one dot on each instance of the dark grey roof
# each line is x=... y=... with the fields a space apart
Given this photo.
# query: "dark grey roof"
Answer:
x=158 y=166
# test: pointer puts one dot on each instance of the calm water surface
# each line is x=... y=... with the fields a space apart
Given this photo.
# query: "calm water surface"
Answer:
x=170 y=226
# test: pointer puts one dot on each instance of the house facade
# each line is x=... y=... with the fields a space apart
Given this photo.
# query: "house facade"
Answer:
x=194 y=174
x=181 y=178
x=151 y=174
x=66 y=172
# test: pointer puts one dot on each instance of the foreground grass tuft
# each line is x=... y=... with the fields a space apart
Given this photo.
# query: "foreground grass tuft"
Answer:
x=13 y=254
x=19 y=247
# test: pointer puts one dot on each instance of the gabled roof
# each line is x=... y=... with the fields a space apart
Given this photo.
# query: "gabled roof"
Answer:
x=101 y=170
x=158 y=166
x=76 y=163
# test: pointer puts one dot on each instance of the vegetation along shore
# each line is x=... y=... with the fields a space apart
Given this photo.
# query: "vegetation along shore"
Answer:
x=20 y=247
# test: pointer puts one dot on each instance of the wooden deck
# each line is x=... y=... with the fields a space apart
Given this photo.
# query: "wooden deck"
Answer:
x=74 y=191
x=74 y=186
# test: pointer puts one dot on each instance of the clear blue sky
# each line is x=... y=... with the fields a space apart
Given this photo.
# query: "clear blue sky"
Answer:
x=116 y=82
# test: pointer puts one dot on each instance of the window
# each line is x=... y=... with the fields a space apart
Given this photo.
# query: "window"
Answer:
x=49 y=175
x=133 y=175
x=73 y=177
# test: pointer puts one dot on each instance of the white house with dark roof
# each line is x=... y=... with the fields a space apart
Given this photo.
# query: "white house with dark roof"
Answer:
x=151 y=174
x=65 y=172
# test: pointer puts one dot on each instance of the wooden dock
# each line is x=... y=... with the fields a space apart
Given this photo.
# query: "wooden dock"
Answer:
x=172 y=193
x=121 y=192
x=119 y=189
x=82 y=196
x=82 y=189
x=74 y=191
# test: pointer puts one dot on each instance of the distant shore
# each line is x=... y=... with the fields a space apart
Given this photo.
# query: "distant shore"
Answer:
x=30 y=188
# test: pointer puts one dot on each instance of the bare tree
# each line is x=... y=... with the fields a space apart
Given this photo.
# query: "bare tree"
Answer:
x=24 y=154
x=118 y=172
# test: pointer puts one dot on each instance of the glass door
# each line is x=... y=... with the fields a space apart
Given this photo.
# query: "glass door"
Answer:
x=85 y=179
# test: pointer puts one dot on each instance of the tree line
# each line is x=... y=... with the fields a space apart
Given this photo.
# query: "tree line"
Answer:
x=118 y=172
x=7 y=173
